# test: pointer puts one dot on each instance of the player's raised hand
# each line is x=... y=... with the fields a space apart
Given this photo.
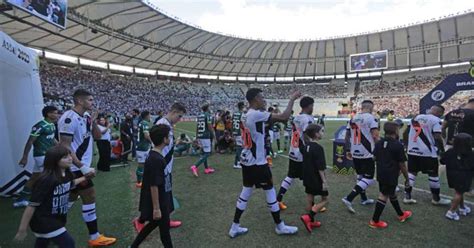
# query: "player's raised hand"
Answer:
x=295 y=95
x=23 y=161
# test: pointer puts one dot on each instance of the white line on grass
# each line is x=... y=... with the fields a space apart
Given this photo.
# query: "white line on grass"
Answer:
x=401 y=185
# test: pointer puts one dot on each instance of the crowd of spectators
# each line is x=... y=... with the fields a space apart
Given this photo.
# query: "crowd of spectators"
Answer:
x=281 y=91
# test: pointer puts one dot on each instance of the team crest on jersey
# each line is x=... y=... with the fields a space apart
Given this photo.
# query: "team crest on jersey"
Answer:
x=438 y=95
x=67 y=120
x=471 y=70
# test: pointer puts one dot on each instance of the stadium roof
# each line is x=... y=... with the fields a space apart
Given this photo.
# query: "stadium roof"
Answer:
x=133 y=33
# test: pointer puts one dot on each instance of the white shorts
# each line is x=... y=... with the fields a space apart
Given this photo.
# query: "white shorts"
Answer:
x=238 y=140
x=270 y=133
x=205 y=145
x=142 y=156
x=39 y=164
x=276 y=135
x=287 y=133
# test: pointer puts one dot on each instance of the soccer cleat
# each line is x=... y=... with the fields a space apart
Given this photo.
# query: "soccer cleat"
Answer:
x=194 y=170
x=282 y=206
x=20 y=203
x=367 y=202
x=236 y=230
x=138 y=226
x=405 y=216
x=348 y=205
x=379 y=224
x=138 y=185
x=270 y=161
x=175 y=223
x=209 y=170
x=280 y=151
x=323 y=209
x=452 y=215
x=409 y=201
x=282 y=229
x=465 y=211
x=237 y=166
x=307 y=222
x=102 y=241
x=315 y=224
x=275 y=155
x=441 y=202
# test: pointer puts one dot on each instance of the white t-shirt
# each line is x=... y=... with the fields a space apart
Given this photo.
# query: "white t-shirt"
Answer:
x=300 y=123
x=421 y=141
x=362 y=142
x=106 y=135
x=80 y=129
x=254 y=152
x=169 y=149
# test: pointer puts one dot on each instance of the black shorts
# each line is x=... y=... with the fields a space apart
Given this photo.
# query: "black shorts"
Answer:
x=311 y=191
x=365 y=167
x=295 y=169
x=259 y=176
x=84 y=185
x=427 y=165
x=386 y=189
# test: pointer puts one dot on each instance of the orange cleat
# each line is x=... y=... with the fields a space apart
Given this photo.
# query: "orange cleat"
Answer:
x=405 y=216
x=380 y=224
x=315 y=224
x=270 y=161
x=282 y=206
x=102 y=241
x=175 y=223
x=138 y=226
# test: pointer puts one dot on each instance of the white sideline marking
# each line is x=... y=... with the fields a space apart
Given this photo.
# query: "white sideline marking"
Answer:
x=401 y=185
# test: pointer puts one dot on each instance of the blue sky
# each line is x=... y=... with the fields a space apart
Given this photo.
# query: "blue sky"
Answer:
x=306 y=19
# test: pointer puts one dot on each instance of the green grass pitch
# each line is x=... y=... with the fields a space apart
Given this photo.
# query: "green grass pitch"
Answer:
x=207 y=206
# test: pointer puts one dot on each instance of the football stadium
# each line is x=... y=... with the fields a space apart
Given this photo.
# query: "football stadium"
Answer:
x=126 y=126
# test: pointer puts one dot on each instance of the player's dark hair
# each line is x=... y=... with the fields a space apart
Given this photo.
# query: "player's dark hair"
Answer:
x=158 y=134
x=80 y=93
x=51 y=163
x=270 y=109
x=178 y=107
x=144 y=114
x=367 y=101
x=240 y=105
x=440 y=106
x=48 y=109
x=182 y=136
x=391 y=128
x=311 y=131
x=306 y=101
x=205 y=107
x=252 y=93
x=136 y=111
x=462 y=144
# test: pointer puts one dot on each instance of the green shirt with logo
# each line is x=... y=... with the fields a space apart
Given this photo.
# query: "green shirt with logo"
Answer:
x=44 y=132
x=143 y=144
x=236 y=119
x=203 y=121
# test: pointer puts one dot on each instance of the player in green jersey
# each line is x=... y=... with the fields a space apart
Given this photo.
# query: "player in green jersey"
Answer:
x=205 y=133
x=42 y=137
x=236 y=120
x=288 y=129
x=143 y=144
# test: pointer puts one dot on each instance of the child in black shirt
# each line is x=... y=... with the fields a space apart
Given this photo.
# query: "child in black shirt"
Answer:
x=390 y=158
x=314 y=178
x=155 y=196
x=47 y=211
x=459 y=162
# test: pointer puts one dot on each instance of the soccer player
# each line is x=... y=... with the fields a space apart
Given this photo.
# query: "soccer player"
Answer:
x=295 y=167
x=424 y=143
x=450 y=126
x=255 y=170
x=276 y=128
x=77 y=129
x=288 y=128
x=41 y=139
x=389 y=155
x=391 y=115
x=321 y=120
x=155 y=197
x=170 y=119
x=205 y=134
x=47 y=212
x=143 y=144
x=459 y=162
x=236 y=120
x=314 y=178
x=361 y=135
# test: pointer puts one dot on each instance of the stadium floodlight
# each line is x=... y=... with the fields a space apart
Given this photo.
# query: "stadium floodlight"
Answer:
x=120 y=68
x=92 y=63
x=61 y=57
x=145 y=71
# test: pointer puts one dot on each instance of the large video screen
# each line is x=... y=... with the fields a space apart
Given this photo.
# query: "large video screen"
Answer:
x=53 y=11
x=368 y=61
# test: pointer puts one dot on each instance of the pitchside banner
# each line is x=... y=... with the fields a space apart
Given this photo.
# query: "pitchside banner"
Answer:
x=21 y=102
x=447 y=88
